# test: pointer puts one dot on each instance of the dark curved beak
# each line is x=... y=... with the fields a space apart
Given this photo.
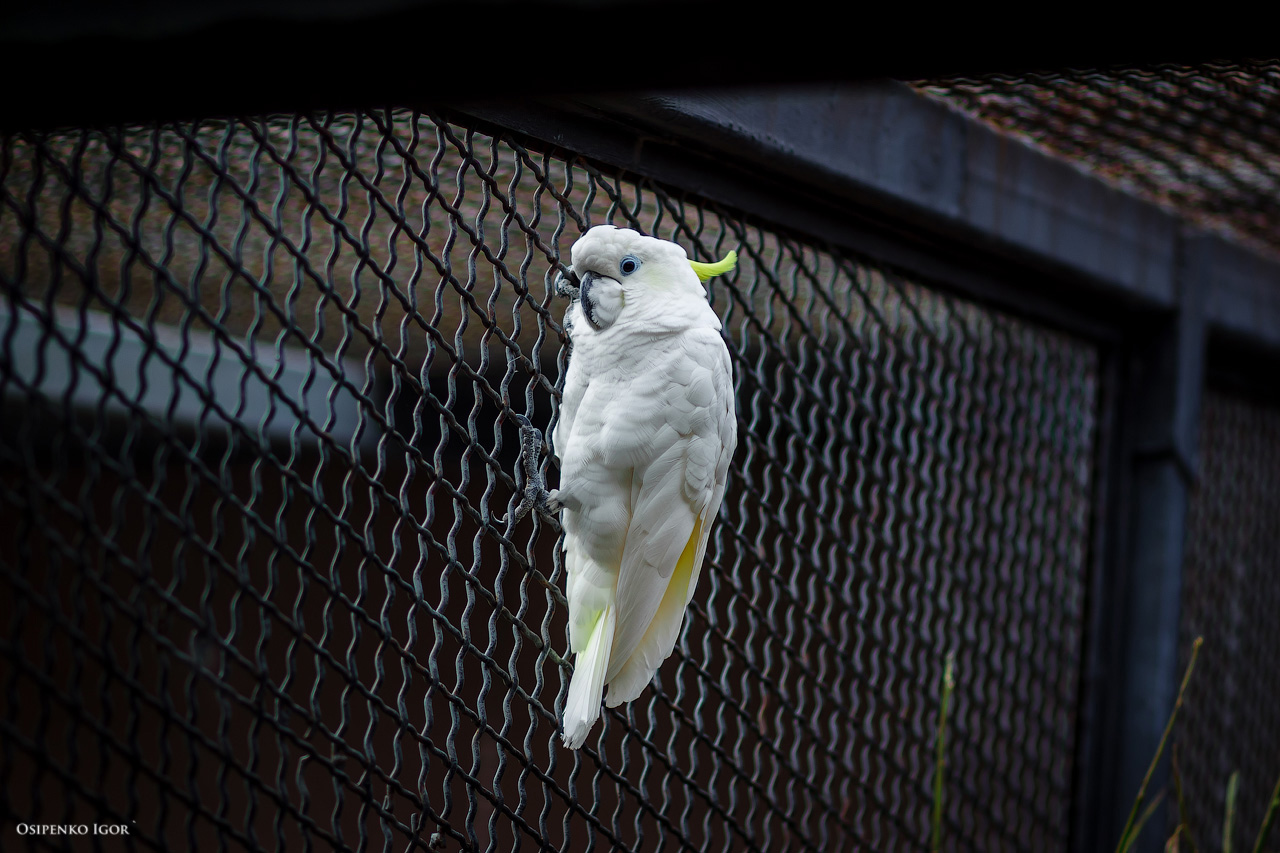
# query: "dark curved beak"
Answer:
x=588 y=281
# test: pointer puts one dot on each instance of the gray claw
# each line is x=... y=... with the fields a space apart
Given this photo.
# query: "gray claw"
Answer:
x=567 y=285
x=535 y=494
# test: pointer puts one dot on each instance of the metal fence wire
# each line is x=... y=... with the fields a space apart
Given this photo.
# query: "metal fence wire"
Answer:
x=1231 y=721
x=258 y=378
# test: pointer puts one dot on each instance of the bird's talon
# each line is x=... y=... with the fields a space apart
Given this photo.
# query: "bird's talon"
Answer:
x=567 y=286
x=535 y=494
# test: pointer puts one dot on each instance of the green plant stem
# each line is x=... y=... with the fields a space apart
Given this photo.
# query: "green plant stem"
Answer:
x=1143 y=818
x=1184 y=826
x=1228 y=822
x=948 y=685
x=1272 y=808
x=1125 y=840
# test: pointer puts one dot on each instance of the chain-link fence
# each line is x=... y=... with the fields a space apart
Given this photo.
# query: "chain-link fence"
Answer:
x=258 y=379
x=1231 y=721
x=1203 y=142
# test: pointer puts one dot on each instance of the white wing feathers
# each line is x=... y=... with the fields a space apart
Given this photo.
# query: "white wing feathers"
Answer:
x=662 y=522
x=673 y=432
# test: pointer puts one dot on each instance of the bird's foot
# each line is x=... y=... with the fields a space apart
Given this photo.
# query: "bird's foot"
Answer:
x=568 y=286
x=534 y=494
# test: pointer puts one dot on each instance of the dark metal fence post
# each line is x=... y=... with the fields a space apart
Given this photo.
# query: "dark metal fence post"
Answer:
x=1141 y=599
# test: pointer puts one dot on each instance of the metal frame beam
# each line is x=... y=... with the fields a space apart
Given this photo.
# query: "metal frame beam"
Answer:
x=1131 y=672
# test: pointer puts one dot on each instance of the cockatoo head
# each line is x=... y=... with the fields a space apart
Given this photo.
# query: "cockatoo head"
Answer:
x=621 y=272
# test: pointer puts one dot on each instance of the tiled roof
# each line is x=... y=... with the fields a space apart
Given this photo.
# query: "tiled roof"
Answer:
x=1202 y=141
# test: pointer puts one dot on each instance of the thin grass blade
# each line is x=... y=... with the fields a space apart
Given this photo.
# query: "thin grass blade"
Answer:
x=948 y=686
x=1228 y=822
x=1184 y=825
x=1130 y=829
x=1272 y=808
x=1141 y=822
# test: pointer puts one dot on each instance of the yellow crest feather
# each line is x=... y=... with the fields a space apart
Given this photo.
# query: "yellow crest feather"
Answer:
x=706 y=271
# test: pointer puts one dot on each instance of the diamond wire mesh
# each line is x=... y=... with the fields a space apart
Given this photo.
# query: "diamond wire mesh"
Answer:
x=256 y=376
x=1230 y=720
x=1203 y=140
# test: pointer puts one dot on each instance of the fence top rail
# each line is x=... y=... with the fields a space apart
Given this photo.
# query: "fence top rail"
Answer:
x=887 y=148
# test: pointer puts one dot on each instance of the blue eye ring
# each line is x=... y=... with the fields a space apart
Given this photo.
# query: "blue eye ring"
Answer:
x=628 y=265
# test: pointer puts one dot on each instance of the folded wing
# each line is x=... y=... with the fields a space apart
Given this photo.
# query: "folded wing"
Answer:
x=676 y=498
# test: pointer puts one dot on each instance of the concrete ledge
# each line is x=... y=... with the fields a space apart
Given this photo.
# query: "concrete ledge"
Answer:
x=1243 y=299
x=51 y=360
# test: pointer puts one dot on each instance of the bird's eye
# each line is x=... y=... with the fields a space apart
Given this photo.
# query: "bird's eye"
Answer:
x=629 y=265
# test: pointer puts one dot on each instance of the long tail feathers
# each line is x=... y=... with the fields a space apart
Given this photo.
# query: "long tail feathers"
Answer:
x=582 y=707
x=660 y=638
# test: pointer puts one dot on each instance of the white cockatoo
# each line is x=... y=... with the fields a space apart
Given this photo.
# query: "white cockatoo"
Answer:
x=646 y=432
